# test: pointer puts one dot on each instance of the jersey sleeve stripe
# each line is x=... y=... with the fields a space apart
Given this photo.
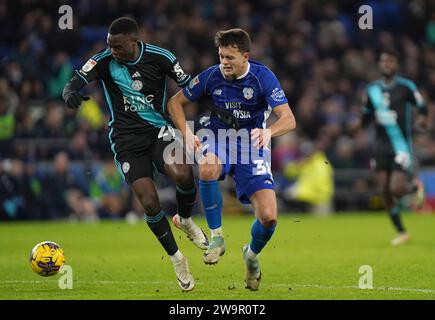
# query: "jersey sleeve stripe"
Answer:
x=84 y=79
x=160 y=53
x=181 y=84
x=411 y=85
x=161 y=49
x=419 y=101
x=101 y=54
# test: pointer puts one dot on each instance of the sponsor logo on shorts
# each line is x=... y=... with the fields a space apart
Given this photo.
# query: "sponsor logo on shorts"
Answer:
x=125 y=167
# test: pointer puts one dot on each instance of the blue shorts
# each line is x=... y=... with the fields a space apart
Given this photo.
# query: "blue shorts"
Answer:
x=251 y=171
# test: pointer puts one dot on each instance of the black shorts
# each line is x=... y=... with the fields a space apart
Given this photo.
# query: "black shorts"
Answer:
x=387 y=162
x=140 y=155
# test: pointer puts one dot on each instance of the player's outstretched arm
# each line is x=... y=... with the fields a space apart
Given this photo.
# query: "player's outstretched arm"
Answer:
x=365 y=116
x=286 y=120
x=175 y=110
x=285 y=123
x=422 y=118
x=71 y=94
x=422 y=121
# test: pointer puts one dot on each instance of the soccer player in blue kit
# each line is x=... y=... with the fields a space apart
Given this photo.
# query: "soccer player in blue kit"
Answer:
x=243 y=94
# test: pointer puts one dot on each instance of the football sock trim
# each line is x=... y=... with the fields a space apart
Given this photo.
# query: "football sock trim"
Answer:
x=260 y=236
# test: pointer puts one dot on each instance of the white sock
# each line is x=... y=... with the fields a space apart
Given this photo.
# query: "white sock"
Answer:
x=177 y=256
x=251 y=255
x=216 y=232
x=185 y=221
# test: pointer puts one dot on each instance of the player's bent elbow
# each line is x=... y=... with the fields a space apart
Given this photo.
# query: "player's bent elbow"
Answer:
x=171 y=106
x=291 y=123
x=174 y=103
x=287 y=119
x=170 y=103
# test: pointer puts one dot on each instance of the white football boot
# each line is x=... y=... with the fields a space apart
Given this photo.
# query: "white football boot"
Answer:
x=193 y=232
x=253 y=272
x=215 y=250
x=184 y=277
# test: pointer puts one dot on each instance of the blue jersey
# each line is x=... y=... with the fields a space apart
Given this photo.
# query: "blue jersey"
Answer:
x=251 y=97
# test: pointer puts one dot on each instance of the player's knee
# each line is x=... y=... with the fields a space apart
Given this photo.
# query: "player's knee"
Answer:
x=152 y=209
x=267 y=217
x=268 y=221
x=150 y=203
x=388 y=192
x=183 y=176
x=398 y=190
x=209 y=171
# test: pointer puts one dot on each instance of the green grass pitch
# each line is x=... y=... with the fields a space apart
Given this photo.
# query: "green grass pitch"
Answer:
x=307 y=258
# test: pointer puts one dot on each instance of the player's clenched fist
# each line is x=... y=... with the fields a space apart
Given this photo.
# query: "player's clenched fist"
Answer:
x=260 y=137
x=193 y=144
x=74 y=99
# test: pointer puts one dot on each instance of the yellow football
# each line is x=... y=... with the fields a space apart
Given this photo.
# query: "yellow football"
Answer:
x=46 y=258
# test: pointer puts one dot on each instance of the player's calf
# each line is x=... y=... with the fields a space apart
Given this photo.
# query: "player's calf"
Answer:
x=209 y=171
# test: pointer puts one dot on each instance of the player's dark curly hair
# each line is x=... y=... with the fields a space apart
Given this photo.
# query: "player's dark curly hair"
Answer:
x=391 y=52
x=233 y=37
x=123 y=25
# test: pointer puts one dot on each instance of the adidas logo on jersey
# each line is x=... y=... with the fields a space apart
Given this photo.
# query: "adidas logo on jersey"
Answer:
x=136 y=75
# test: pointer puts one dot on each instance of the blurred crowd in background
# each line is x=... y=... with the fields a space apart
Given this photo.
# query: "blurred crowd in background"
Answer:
x=56 y=162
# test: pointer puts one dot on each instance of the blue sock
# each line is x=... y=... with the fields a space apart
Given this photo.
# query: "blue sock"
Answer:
x=212 y=201
x=260 y=236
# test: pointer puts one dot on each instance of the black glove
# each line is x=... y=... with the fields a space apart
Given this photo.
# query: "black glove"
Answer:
x=223 y=115
x=74 y=100
x=228 y=118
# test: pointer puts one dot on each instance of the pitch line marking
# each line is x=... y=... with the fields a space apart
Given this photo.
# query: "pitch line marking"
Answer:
x=273 y=285
x=354 y=287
